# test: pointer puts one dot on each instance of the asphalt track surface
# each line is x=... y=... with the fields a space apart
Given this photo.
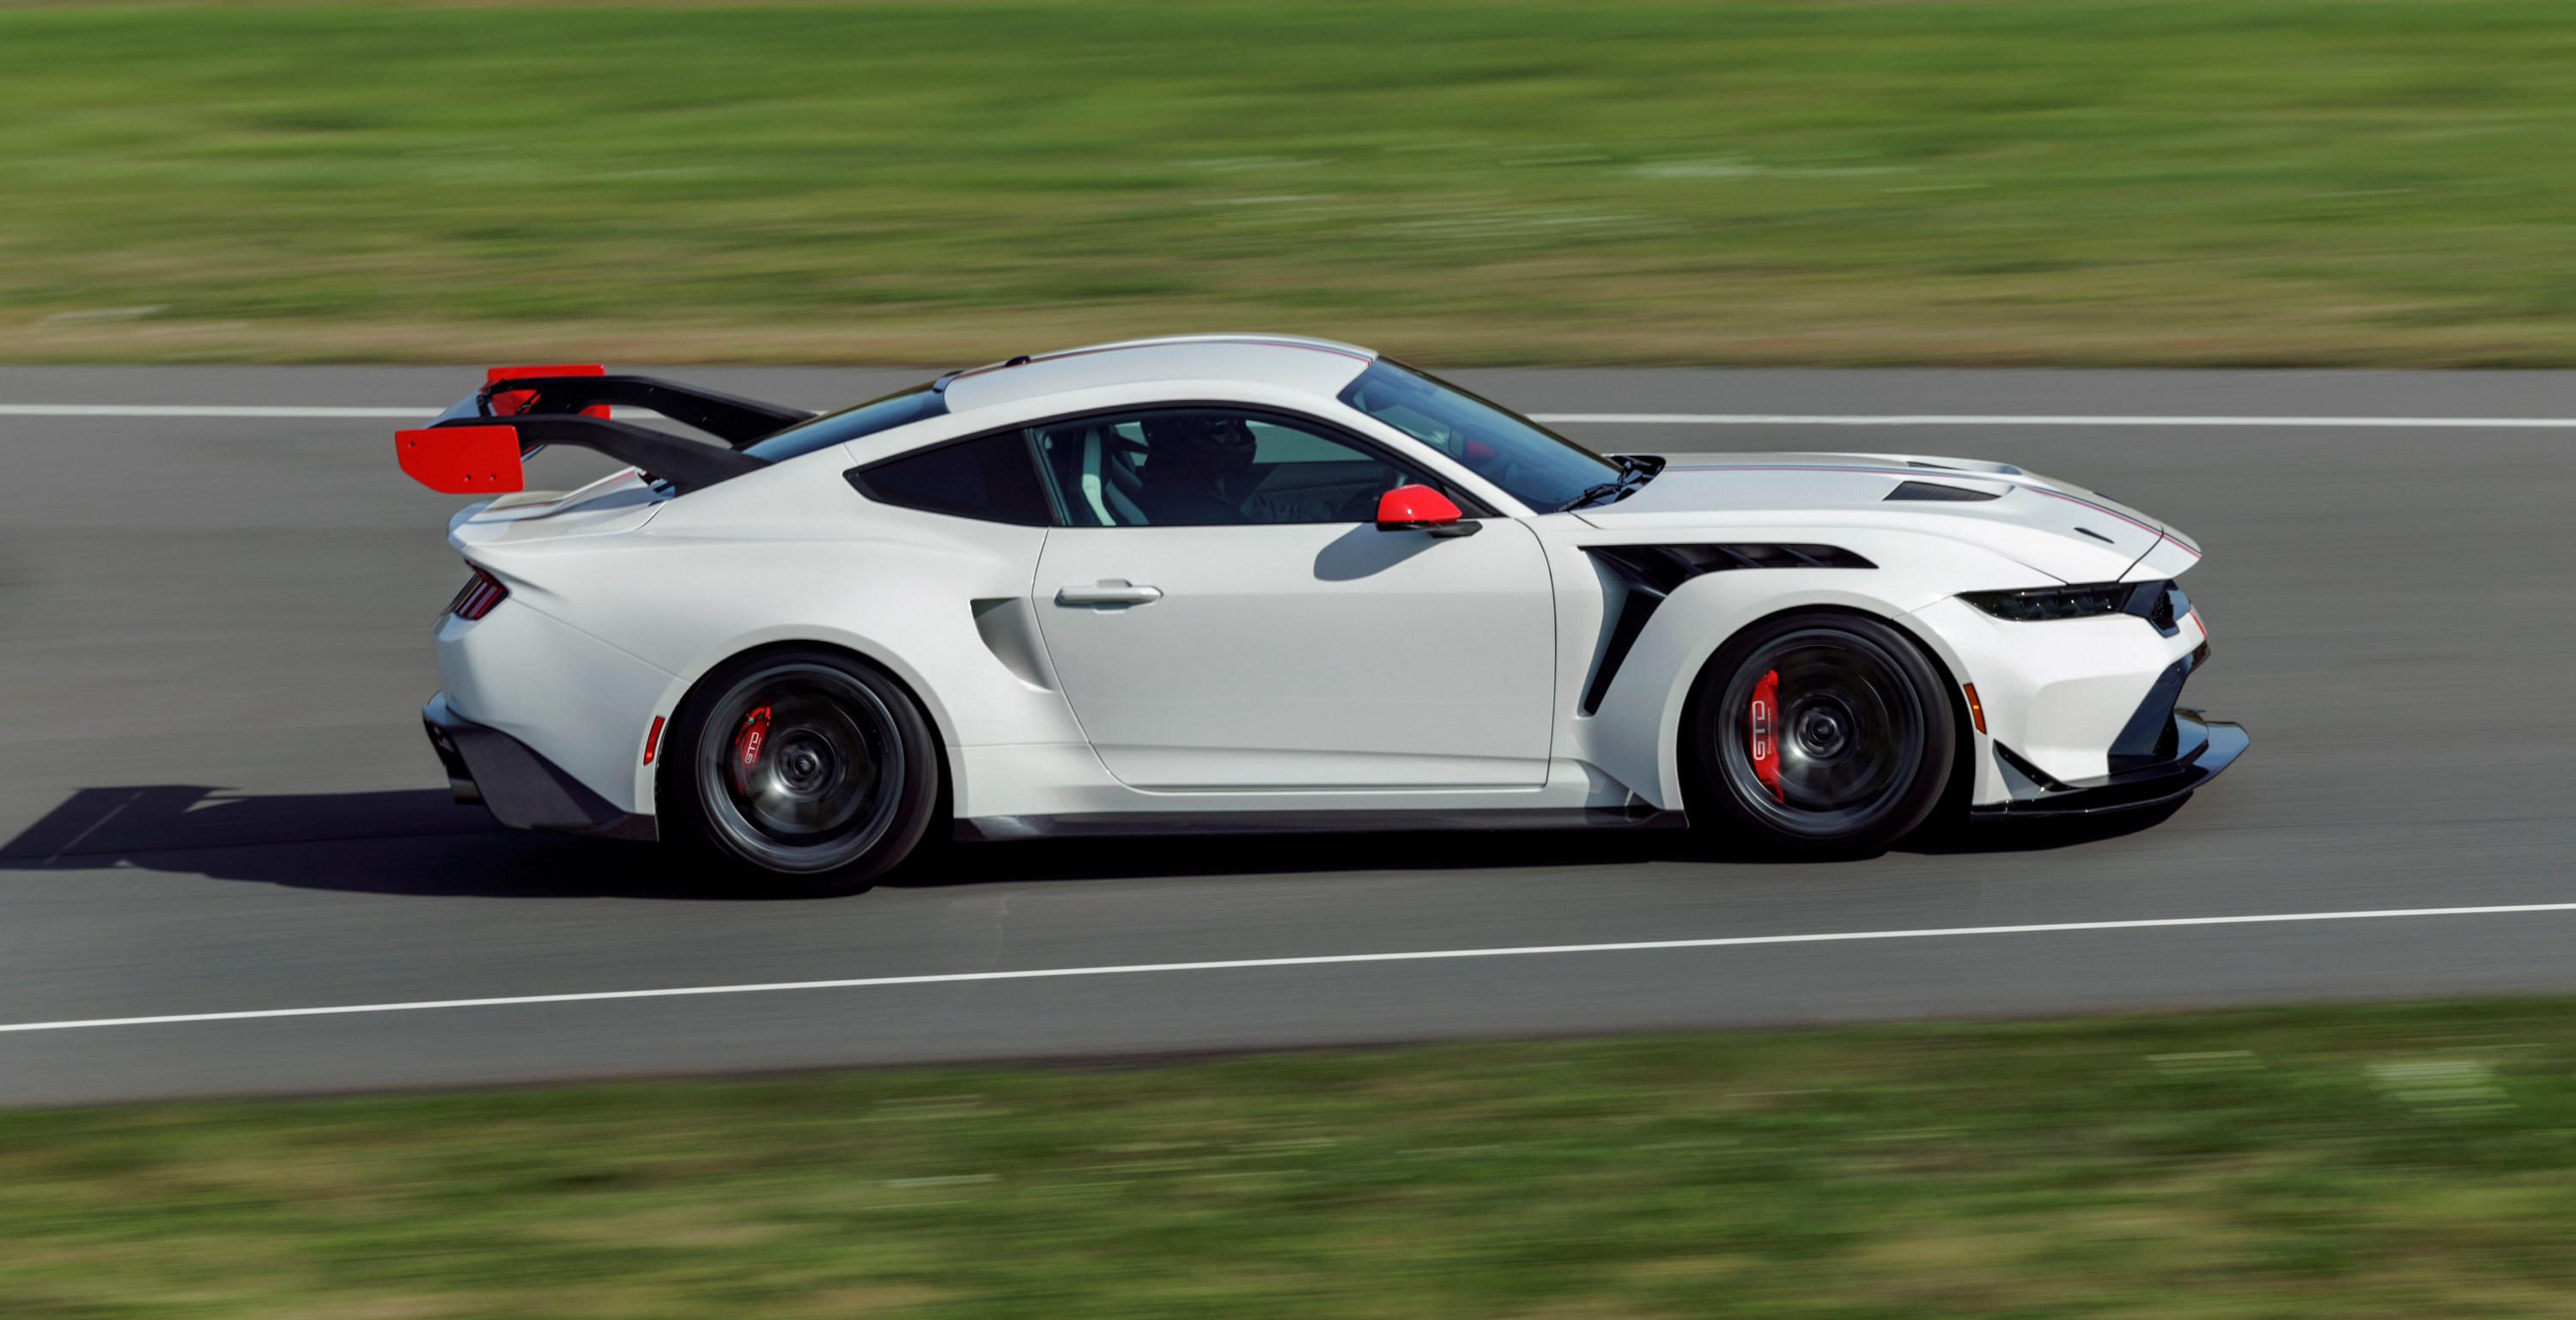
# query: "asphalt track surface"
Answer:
x=216 y=798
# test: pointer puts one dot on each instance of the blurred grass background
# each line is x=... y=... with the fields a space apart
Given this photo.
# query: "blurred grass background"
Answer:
x=2265 y=182
x=2397 y=1162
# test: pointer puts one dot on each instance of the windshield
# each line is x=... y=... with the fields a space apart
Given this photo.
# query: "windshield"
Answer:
x=1540 y=468
x=851 y=423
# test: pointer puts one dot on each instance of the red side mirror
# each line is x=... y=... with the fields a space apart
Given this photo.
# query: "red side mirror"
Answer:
x=508 y=402
x=462 y=460
x=1410 y=508
x=1421 y=509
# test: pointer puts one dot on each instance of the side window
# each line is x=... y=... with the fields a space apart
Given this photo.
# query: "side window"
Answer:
x=991 y=479
x=1206 y=467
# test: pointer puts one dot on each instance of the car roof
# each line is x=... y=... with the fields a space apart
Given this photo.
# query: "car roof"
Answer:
x=1316 y=366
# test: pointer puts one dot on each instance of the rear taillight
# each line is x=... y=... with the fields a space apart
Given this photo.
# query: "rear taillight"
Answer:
x=481 y=593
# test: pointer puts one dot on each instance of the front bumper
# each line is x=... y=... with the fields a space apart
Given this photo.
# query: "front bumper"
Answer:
x=524 y=791
x=2202 y=748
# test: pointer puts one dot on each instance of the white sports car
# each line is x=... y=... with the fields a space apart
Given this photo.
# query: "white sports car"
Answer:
x=1259 y=584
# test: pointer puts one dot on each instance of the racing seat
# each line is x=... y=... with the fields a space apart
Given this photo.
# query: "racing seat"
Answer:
x=1107 y=483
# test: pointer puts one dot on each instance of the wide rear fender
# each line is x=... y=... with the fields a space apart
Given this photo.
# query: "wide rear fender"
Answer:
x=885 y=655
x=792 y=554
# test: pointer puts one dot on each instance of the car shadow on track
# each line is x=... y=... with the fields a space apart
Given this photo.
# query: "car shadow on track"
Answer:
x=419 y=842
x=1100 y=859
x=410 y=842
x=2034 y=835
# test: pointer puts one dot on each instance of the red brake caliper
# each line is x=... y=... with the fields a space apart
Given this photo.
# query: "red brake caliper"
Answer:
x=748 y=741
x=1765 y=722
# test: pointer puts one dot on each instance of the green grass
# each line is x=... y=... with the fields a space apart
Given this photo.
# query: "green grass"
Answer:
x=2128 y=181
x=2360 y=1162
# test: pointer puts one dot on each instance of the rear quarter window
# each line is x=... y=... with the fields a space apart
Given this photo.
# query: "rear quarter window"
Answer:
x=992 y=479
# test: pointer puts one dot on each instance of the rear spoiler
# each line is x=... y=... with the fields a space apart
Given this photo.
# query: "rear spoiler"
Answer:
x=735 y=420
x=478 y=446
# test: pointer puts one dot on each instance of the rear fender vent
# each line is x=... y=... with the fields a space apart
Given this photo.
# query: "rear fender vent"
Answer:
x=1652 y=571
x=1933 y=490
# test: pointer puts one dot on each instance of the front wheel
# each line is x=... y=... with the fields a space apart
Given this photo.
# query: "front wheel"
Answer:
x=1821 y=735
x=808 y=772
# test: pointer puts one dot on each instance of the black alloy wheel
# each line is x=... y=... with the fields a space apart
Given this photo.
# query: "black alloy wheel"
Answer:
x=810 y=772
x=1821 y=735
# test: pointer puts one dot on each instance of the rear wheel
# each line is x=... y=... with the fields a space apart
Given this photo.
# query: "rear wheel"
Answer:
x=1821 y=735
x=808 y=772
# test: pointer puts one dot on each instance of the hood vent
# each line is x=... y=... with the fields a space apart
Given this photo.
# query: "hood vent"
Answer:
x=1967 y=465
x=1933 y=490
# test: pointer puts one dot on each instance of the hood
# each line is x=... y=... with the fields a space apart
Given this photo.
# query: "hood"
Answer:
x=2062 y=530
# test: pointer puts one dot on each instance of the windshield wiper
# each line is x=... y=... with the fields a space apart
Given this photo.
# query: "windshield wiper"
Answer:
x=1635 y=470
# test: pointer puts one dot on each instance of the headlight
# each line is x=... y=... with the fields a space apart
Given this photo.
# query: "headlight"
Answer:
x=2159 y=603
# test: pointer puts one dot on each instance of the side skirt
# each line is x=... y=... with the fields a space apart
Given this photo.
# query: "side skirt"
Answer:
x=1128 y=824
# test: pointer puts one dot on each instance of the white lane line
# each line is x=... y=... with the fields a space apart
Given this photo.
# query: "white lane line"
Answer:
x=1323 y=960
x=2027 y=419
x=1585 y=419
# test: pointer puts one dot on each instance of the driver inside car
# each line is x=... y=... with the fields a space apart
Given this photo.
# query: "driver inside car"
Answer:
x=1192 y=461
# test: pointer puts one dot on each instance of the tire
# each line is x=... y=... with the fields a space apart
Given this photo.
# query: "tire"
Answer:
x=804 y=773
x=1861 y=735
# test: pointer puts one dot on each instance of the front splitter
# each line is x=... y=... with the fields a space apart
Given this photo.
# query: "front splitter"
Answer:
x=2224 y=743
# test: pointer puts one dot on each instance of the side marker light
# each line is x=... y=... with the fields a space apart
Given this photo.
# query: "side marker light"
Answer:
x=1976 y=709
x=652 y=739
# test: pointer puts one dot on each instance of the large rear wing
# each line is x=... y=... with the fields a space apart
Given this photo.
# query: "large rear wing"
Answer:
x=478 y=446
x=544 y=391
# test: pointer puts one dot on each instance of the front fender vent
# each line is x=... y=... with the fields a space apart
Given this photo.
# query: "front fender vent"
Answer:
x=1652 y=571
x=1933 y=490
x=1664 y=567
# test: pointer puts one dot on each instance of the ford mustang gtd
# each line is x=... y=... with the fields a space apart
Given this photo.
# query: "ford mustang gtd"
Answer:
x=1262 y=584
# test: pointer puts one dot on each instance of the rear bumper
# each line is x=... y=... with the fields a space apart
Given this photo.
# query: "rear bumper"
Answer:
x=524 y=791
x=2203 y=748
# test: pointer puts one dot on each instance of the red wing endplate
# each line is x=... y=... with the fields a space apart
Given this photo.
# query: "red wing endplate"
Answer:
x=462 y=460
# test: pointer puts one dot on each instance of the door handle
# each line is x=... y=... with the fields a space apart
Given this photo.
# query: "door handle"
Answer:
x=1108 y=593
